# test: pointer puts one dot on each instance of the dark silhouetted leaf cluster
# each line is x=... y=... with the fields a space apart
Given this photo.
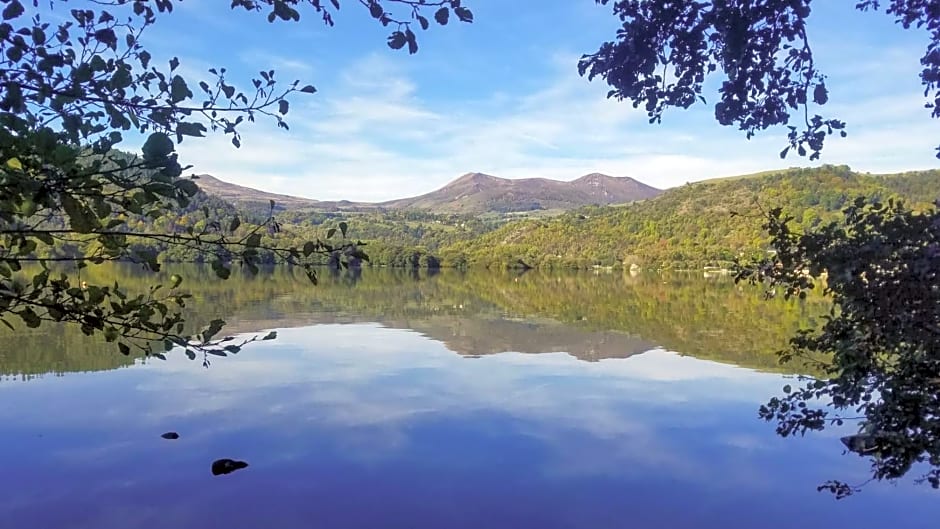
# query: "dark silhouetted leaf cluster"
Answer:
x=665 y=51
x=880 y=343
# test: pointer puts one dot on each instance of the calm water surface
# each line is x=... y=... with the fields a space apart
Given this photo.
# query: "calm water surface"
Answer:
x=450 y=401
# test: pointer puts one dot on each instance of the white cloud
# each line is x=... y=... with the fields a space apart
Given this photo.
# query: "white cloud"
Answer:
x=282 y=65
x=374 y=137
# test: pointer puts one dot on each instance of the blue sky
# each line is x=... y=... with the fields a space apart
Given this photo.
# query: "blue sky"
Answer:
x=502 y=96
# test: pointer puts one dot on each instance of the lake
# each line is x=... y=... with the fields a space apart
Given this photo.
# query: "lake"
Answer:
x=407 y=400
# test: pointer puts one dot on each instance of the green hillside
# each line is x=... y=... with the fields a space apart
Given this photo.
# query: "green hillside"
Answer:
x=706 y=223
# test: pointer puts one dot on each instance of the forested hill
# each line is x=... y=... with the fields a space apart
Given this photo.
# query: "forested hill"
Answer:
x=704 y=223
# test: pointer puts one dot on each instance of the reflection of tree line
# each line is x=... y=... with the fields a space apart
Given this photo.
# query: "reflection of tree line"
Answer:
x=589 y=316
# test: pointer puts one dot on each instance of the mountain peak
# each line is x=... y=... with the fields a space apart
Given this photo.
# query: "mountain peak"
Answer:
x=476 y=178
x=246 y=195
x=607 y=189
x=472 y=193
x=599 y=176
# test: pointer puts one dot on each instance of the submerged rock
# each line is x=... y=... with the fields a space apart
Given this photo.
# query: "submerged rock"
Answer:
x=226 y=466
x=170 y=435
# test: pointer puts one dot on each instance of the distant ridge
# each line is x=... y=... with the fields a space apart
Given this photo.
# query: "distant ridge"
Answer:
x=472 y=193
x=247 y=196
x=480 y=193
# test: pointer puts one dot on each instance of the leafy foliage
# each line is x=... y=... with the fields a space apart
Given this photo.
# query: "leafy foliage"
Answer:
x=665 y=52
x=880 y=261
x=74 y=82
x=880 y=267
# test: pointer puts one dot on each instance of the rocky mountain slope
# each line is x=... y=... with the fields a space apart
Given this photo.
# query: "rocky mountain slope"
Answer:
x=472 y=193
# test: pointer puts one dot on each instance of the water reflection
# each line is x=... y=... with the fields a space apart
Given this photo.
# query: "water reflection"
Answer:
x=588 y=316
x=362 y=425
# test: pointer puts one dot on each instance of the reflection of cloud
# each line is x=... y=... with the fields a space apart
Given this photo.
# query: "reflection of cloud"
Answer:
x=366 y=382
x=328 y=376
x=364 y=401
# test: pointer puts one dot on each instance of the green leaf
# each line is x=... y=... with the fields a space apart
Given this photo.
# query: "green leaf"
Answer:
x=442 y=15
x=157 y=147
x=125 y=350
x=270 y=336
x=330 y=233
x=253 y=240
x=309 y=89
x=464 y=14
x=397 y=40
x=187 y=186
x=13 y=10
x=212 y=329
x=412 y=42
x=80 y=217
x=234 y=224
x=196 y=130
x=95 y=295
x=342 y=228
x=29 y=317
x=820 y=94
x=221 y=271
x=179 y=91
x=40 y=279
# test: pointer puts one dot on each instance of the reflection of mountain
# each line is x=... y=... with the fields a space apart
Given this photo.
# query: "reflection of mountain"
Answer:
x=474 y=335
x=591 y=317
x=478 y=336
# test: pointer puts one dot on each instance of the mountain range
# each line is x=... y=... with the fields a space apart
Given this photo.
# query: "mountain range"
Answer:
x=472 y=193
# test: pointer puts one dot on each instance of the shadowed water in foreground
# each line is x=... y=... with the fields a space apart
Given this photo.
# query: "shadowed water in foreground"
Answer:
x=384 y=403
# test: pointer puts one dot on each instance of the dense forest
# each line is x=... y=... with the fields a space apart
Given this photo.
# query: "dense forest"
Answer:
x=706 y=223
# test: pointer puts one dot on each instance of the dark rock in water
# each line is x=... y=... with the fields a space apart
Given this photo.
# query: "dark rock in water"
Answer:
x=170 y=435
x=226 y=466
